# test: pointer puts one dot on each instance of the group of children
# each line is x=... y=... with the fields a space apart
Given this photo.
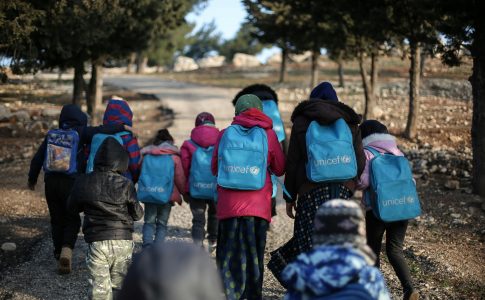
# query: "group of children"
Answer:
x=232 y=174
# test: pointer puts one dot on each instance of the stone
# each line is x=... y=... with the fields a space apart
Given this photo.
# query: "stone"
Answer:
x=21 y=116
x=242 y=60
x=7 y=247
x=452 y=184
x=299 y=58
x=184 y=63
x=377 y=112
x=51 y=112
x=455 y=138
x=211 y=61
x=5 y=113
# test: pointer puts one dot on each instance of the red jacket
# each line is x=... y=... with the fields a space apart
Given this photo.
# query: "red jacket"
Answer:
x=237 y=203
x=179 y=177
x=204 y=136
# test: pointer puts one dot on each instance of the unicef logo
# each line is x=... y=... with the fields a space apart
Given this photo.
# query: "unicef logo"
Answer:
x=410 y=199
x=254 y=170
x=346 y=159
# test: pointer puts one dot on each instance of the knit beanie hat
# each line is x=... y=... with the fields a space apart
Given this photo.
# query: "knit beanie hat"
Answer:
x=369 y=127
x=324 y=91
x=341 y=223
x=204 y=118
x=248 y=101
x=172 y=270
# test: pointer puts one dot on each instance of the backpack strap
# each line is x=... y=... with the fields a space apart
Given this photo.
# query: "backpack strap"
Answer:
x=372 y=150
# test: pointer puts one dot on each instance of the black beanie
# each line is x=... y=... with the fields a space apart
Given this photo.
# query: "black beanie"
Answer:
x=370 y=127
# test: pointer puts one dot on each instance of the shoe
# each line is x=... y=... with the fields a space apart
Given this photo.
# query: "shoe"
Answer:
x=212 y=246
x=411 y=296
x=65 y=261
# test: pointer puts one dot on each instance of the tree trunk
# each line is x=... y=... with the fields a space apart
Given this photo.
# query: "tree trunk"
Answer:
x=422 y=64
x=369 y=97
x=131 y=62
x=141 y=63
x=413 y=114
x=284 y=57
x=477 y=81
x=340 y=64
x=95 y=91
x=78 y=83
x=314 y=68
x=374 y=73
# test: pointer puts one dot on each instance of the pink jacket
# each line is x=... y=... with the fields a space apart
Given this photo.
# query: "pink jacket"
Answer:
x=384 y=143
x=179 y=177
x=237 y=203
x=204 y=136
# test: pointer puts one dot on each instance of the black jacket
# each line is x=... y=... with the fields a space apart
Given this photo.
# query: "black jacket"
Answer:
x=72 y=117
x=324 y=112
x=107 y=198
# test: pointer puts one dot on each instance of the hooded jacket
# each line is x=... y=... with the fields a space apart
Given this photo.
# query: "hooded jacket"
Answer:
x=326 y=269
x=324 y=112
x=383 y=143
x=72 y=117
x=204 y=136
x=237 y=203
x=167 y=148
x=119 y=112
x=107 y=198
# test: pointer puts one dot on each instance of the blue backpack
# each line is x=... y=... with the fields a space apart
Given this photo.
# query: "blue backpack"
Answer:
x=242 y=158
x=98 y=139
x=202 y=183
x=330 y=151
x=270 y=108
x=61 y=151
x=392 y=191
x=156 y=179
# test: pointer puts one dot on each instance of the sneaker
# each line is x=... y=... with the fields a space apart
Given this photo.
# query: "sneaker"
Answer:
x=212 y=246
x=65 y=261
x=411 y=296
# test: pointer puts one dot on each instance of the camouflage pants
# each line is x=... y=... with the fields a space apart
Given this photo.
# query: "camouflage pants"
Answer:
x=107 y=263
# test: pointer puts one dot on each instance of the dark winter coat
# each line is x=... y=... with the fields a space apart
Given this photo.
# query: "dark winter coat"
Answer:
x=324 y=112
x=107 y=198
x=72 y=117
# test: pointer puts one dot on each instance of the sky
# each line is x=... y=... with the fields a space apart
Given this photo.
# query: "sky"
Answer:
x=228 y=16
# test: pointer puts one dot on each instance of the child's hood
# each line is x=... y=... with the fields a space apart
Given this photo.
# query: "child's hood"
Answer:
x=162 y=149
x=118 y=112
x=253 y=117
x=72 y=116
x=382 y=142
x=111 y=156
x=324 y=269
x=204 y=135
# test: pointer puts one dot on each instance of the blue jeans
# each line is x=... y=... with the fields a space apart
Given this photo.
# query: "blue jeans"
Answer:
x=156 y=219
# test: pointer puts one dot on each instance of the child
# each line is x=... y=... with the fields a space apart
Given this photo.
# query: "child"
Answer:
x=340 y=264
x=203 y=136
x=58 y=183
x=118 y=111
x=157 y=210
x=243 y=160
x=375 y=135
x=108 y=201
x=172 y=271
x=270 y=107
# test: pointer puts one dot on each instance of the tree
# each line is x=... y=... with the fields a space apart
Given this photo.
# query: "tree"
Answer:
x=415 y=22
x=273 y=26
x=464 y=26
x=244 y=41
x=204 y=41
